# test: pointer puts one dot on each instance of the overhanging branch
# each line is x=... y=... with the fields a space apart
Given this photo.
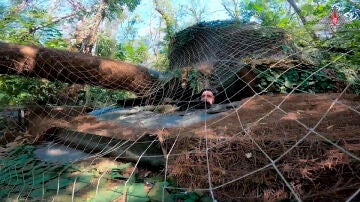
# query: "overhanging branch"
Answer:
x=71 y=67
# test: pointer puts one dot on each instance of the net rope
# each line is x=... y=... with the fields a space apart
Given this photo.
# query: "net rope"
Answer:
x=216 y=55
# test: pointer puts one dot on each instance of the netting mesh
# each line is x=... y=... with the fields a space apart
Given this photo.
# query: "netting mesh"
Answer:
x=298 y=142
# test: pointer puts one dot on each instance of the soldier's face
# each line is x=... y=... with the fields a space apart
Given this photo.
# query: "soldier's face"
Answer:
x=208 y=96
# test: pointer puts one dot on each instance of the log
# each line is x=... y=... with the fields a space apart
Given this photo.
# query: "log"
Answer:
x=146 y=150
x=72 y=67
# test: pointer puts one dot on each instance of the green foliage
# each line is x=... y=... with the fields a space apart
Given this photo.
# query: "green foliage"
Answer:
x=18 y=27
x=166 y=10
x=340 y=53
x=108 y=47
x=162 y=61
x=115 y=8
x=278 y=81
x=21 y=91
x=193 y=79
x=117 y=172
x=135 y=52
x=29 y=91
x=156 y=193
x=57 y=43
x=344 y=49
x=23 y=26
x=268 y=13
x=102 y=97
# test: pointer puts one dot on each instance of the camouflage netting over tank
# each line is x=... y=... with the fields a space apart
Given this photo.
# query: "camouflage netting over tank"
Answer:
x=219 y=49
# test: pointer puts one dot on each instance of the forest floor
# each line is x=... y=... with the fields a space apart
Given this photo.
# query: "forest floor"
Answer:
x=296 y=114
x=313 y=140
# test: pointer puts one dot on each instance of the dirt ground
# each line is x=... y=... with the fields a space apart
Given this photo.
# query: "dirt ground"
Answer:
x=312 y=140
x=305 y=108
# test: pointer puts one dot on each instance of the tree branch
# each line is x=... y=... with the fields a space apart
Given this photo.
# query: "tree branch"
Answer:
x=71 y=67
x=302 y=18
x=34 y=29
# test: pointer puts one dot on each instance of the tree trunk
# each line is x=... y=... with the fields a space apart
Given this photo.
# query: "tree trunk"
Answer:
x=167 y=17
x=32 y=30
x=302 y=18
x=233 y=13
x=87 y=45
x=71 y=67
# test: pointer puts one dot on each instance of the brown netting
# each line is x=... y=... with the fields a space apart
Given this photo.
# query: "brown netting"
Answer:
x=315 y=166
x=316 y=169
x=297 y=145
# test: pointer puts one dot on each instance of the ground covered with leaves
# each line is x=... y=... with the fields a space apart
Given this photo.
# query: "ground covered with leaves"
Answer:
x=319 y=164
x=322 y=164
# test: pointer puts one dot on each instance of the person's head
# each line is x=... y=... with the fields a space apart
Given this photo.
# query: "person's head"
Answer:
x=208 y=96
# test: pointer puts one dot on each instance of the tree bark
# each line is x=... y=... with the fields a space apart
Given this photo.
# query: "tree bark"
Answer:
x=234 y=14
x=87 y=43
x=167 y=17
x=302 y=18
x=32 y=30
x=71 y=67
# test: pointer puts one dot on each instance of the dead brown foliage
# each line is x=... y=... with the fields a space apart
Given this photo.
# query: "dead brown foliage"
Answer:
x=240 y=143
x=316 y=169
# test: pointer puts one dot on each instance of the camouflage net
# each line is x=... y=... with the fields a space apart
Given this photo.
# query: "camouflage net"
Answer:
x=299 y=145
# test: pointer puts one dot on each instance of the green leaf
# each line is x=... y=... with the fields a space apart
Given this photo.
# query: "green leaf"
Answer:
x=82 y=181
x=37 y=193
x=288 y=83
x=116 y=175
x=104 y=195
x=119 y=189
x=205 y=199
x=156 y=193
x=85 y=177
x=193 y=196
x=131 y=198
x=137 y=189
x=61 y=182
x=39 y=179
